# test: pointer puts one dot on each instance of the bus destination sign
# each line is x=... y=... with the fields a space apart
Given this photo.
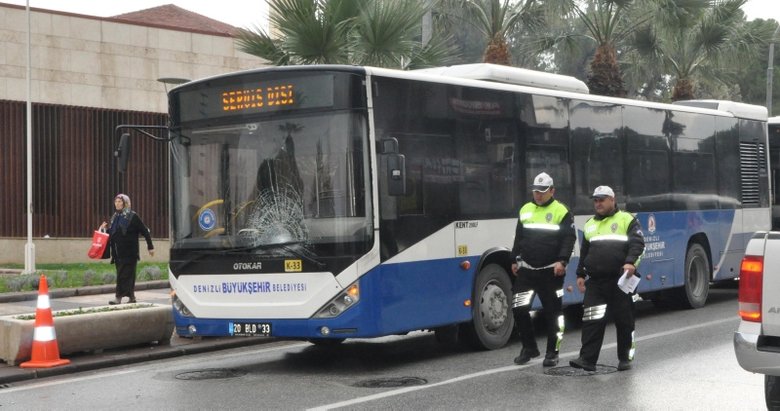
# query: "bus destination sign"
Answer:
x=257 y=98
x=252 y=95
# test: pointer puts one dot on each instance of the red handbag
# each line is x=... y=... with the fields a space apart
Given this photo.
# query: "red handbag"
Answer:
x=99 y=244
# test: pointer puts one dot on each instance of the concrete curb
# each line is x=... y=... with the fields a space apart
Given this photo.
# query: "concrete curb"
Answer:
x=107 y=359
x=73 y=292
x=121 y=356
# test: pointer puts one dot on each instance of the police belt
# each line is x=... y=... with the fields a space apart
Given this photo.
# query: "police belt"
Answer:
x=523 y=264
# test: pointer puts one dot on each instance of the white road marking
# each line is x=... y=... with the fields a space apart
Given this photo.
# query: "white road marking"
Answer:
x=405 y=390
x=146 y=366
x=386 y=394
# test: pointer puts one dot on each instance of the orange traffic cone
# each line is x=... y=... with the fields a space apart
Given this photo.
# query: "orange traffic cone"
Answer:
x=45 y=352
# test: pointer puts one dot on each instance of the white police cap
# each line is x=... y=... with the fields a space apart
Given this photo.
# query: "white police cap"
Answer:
x=603 y=191
x=542 y=183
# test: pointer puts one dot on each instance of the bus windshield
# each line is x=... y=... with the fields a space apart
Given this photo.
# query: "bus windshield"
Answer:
x=270 y=183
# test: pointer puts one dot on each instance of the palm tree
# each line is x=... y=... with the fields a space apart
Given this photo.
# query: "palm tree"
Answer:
x=705 y=41
x=497 y=19
x=608 y=25
x=605 y=24
x=364 y=32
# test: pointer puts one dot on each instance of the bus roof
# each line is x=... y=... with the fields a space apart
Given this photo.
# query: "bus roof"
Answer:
x=727 y=108
x=498 y=77
x=774 y=120
x=741 y=110
x=510 y=75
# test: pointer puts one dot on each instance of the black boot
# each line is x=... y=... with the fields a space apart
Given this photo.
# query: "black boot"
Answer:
x=583 y=364
x=526 y=354
x=550 y=359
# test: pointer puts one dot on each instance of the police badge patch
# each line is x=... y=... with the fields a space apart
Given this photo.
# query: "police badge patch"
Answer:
x=613 y=227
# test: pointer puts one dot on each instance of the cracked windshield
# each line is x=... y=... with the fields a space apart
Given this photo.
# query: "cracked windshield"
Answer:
x=269 y=185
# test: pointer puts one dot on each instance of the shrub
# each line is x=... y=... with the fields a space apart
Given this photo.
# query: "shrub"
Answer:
x=15 y=284
x=109 y=277
x=150 y=273
x=90 y=276
x=59 y=278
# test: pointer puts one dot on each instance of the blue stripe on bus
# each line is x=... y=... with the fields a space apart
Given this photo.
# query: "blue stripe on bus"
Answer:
x=394 y=298
x=409 y=296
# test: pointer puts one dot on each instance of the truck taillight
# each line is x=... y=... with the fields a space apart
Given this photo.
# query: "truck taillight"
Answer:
x=750 y=287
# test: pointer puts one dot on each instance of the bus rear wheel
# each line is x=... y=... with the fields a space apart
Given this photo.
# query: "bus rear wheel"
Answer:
x=693 y=294
x=492 y=321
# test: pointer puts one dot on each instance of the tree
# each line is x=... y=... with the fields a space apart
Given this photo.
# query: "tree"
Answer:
x=751 y=74
x=706 y=41
x=609 y=23
x=383 y=33
x=496 y=20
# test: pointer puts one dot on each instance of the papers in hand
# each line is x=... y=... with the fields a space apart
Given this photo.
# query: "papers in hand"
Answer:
x=628 y=285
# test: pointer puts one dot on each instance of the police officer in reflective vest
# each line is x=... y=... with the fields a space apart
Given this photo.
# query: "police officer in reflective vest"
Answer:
x=612 y=247
x=544 y=239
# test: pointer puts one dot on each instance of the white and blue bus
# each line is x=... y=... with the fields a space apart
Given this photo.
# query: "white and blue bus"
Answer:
x=773 y=126
x=332 y=202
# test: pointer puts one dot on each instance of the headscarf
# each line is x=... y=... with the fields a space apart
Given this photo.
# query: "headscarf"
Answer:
x=125 y=199
x=121 y=218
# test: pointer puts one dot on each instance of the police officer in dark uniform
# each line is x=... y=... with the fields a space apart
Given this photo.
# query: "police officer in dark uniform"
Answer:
x=544 y=239
x=613 y=246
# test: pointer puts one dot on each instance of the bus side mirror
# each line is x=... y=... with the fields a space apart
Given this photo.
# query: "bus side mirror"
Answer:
x=389 y=146
x=396 y=174
x=396 y=167
x=122 y=152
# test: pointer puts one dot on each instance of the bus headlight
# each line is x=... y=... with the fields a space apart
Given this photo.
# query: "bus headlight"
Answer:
x=340 y=303
x=180 y=307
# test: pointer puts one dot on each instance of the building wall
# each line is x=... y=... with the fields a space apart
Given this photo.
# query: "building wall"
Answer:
x=89 y=75
x=85 y=61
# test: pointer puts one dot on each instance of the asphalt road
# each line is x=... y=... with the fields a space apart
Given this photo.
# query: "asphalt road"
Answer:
x=685 y=361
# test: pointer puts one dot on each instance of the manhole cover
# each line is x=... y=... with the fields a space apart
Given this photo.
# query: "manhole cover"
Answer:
x=210 y=374
x=391 y=382
x=568 y=371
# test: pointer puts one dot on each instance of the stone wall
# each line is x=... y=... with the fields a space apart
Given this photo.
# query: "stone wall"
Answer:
x=89 y=61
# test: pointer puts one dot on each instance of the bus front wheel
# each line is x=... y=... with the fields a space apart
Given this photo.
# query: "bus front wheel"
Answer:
x=492 y=321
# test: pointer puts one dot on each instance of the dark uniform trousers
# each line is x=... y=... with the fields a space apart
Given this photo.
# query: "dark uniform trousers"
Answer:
x=549 y=288
x=599 y=293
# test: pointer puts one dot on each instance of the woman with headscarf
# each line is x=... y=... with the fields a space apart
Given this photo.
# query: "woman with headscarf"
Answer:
x=124 y=228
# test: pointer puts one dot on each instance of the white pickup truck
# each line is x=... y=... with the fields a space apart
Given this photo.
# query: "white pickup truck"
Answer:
x=757 y=340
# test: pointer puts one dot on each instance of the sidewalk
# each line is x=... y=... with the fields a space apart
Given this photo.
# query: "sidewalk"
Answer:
x=61 y=299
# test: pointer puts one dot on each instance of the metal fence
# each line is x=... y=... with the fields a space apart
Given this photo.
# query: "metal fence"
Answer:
x=74 y=172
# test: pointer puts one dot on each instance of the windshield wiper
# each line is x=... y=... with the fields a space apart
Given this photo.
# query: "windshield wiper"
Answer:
x=305 y=254
x=200 y=254
x=302 y=252
x=258 y=246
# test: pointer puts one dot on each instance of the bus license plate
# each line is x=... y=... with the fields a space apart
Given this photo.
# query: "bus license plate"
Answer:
x=251 y=329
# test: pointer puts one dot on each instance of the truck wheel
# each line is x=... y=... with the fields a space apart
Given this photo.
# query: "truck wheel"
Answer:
x=772 y=392
x=492 y=322
x=693 y=294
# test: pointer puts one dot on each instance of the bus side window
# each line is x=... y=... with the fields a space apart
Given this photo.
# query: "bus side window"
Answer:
x=648 y=159
x=597 y=151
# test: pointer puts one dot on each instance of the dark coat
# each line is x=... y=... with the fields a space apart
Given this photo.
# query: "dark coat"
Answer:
x=124 y=230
